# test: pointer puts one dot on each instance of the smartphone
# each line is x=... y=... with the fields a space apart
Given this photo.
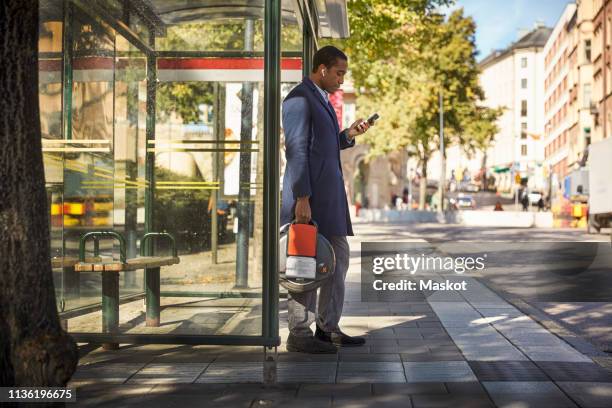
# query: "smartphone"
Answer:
x=373 y=119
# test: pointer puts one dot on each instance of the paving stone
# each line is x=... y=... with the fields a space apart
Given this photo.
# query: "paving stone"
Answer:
x=507 y=371
x=465 y=388
x=232 y=372
x=377 y=401
x=436 y=342
x=532 y=401
x=347 y=366
x=384 y=349
x=557 y=353
x=443 y=371
x=407 y=333
x=306 y=372
x=334 y=390
x=417 y=342
x=381 y=342
x=306 y=357
x=158 y=373
x=354 y=350
x=113 y=357
x=414 y=349
x=394 y=357
x=190 y=389
x=429 y=356
x=445 y=401
x=371 y=377
x=323 y=402
x=475 y=352
x=421 y=308
x=435 y=348
x=186 y=357
x=501 y=312
x=521 y=387
x=429 y=324
x=423 y=356
x=492 y=305
x=102 y=392
x=589 y=394
x=575 y=372
x=240 y=357
x=410 y=388
x=166 y=401
x=108 y=373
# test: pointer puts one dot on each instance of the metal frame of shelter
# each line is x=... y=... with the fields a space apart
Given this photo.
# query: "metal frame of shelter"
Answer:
x=314 y=23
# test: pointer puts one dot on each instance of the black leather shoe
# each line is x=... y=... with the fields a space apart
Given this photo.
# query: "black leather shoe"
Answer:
x=339 y=339
x=309 y=345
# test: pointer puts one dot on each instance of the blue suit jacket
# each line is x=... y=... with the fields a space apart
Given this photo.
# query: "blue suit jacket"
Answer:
x=313 y=142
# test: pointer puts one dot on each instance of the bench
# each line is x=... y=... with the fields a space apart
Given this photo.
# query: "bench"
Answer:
x=70 y=279
x=110 y=270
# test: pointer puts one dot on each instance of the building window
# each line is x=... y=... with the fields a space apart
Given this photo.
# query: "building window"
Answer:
x=586 y=95
x=587 y=50
x=524 y=62
x=523 y=108
x=524 y=83
x=523 y=130
x=523 y=150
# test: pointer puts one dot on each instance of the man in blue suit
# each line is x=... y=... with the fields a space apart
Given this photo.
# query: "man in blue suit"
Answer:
x=313 y=188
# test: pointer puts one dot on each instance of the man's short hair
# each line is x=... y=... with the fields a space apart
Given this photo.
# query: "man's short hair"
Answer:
x=328 y=56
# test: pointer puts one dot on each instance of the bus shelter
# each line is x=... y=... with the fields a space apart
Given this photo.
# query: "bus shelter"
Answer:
x=161 y=141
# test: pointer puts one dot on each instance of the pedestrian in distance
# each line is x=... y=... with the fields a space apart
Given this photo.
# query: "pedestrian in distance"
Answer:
x=313 y=189
x=541 y=204
x=525 y=202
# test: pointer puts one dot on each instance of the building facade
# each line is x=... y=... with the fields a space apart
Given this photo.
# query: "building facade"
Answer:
x=560 y=92
x=602 y=74
x=514 y=80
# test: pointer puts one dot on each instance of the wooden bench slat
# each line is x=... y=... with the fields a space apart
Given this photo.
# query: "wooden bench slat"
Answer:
x=131 y=265
x=99 y=266
x=151 y=262
x=69 y=261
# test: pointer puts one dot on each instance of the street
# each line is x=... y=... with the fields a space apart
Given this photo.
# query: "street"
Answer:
x=580 y=302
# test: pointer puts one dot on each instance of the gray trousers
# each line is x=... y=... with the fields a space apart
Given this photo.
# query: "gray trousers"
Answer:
x=302 y=307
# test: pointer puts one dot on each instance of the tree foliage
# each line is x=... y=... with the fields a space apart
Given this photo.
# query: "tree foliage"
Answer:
x=440 y=57
x=184 y=98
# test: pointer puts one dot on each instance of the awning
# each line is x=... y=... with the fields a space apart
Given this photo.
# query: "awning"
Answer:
x=501 y=169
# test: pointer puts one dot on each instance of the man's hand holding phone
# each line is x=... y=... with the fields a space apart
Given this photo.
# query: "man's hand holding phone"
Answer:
x=361 y=126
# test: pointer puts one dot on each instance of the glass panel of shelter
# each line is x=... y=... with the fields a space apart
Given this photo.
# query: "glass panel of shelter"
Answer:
x=208 y=166
x=208 y=170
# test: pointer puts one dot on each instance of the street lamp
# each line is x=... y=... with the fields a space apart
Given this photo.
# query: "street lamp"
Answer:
x=442 y=159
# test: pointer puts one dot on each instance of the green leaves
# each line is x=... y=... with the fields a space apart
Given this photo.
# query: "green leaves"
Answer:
x=402 y=54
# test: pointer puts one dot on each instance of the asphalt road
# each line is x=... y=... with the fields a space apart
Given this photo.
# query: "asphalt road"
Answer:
x=565 y=273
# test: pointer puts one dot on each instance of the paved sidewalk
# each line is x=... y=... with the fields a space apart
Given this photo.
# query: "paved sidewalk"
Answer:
x=470 y=349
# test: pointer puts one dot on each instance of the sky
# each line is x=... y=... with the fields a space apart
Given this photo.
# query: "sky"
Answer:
x=499 y=21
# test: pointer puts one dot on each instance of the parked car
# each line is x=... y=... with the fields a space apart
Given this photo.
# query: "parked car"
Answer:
x=465 y=202
x=534 y=197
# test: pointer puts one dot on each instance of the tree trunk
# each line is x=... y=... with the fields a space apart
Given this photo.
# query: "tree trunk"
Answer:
x=34 y=350
x=423 y=185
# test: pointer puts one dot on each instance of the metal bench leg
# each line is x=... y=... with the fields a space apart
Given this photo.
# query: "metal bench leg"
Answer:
x=269 y=366
x=110 y=306
x=152 y=296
